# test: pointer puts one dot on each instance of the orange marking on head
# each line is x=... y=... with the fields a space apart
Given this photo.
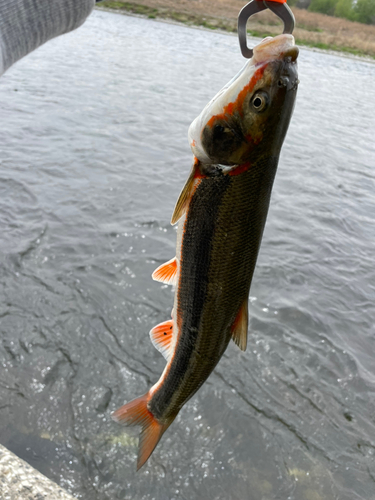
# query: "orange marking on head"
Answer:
x=237 y=105
x=230 y=108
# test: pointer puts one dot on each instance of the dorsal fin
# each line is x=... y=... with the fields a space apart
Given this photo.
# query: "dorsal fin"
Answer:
x=240 y=324
x=166 y=273
x=161 y=336
x=186 y=193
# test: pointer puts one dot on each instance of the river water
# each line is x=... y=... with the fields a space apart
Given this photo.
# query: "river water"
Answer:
x=94 y=153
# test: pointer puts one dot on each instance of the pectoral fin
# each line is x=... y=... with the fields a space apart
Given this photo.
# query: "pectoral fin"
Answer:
x=239 y=327
x=186 y=193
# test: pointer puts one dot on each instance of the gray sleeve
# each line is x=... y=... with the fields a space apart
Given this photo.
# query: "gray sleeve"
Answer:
x=27 y=24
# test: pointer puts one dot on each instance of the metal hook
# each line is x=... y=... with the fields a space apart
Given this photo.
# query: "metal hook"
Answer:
x=280 y=9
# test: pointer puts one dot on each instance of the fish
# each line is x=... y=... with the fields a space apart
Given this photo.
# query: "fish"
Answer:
x=221 y=214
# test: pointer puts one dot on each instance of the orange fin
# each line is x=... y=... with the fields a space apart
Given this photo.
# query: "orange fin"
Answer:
x=166 y=273
x=161 y=336
x=239 y=327
x=137 y=413
x=186 y=193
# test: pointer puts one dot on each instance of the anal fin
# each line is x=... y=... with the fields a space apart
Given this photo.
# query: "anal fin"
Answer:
x=240 y=325
x=166 y=273
x=161 y=336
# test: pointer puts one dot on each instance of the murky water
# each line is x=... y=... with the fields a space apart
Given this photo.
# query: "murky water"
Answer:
x=93 y=155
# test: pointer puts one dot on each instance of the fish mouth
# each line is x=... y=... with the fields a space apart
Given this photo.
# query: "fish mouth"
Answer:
x=291 y=54
x=289 y=77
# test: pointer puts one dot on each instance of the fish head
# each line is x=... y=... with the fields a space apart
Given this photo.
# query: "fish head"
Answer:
x=250 y=115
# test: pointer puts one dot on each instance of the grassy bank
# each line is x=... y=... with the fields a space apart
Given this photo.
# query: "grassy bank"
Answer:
x=312 y=29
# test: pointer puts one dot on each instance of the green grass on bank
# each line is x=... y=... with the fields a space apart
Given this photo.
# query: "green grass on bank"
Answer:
x=130 y=7
x=317 y=45
x=362 y=11
x=336 y=48
x=152 y=13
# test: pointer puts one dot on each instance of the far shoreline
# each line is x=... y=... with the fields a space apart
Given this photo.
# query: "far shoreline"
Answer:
x=333 y=52
x=312 y=29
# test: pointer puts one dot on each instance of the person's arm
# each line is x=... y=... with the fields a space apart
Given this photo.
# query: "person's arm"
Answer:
x=27 y=24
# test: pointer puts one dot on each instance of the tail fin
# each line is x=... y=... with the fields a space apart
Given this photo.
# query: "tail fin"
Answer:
x=137 y=413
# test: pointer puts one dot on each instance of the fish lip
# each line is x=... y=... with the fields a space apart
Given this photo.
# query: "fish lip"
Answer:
x=291 y=54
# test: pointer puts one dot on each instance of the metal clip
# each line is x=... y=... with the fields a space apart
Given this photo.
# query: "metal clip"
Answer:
x=280 y=9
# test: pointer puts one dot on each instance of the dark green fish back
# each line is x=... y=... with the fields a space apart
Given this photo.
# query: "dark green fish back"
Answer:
x=221 y=240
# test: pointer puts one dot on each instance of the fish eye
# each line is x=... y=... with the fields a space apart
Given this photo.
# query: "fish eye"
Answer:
x=219 y=129
x=260 y=101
